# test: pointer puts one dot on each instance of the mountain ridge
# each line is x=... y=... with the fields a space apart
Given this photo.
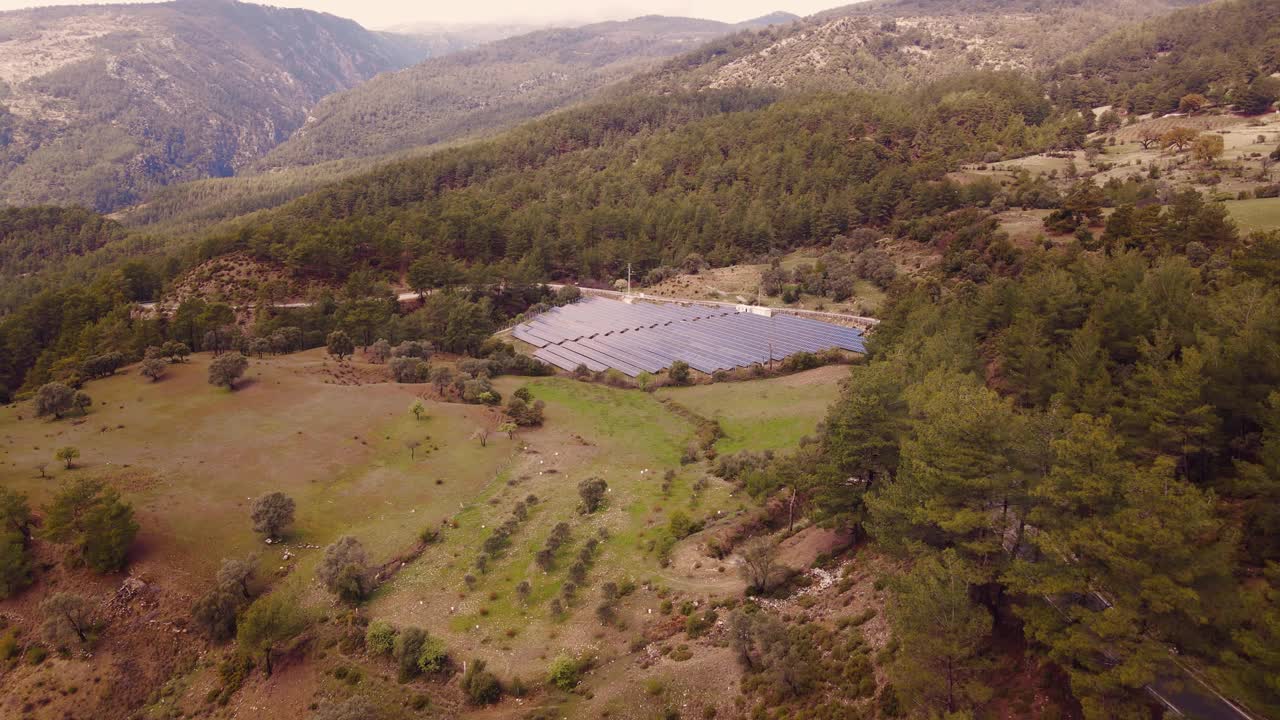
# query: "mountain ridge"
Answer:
x=104 y=103
x=486 y=88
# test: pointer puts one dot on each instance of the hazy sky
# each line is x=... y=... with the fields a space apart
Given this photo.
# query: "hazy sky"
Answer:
x=383 y=13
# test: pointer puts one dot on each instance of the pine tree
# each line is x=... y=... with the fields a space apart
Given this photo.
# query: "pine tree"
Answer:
x=959 y=467
x=1166 y=412
x=1084 y=381
x=940 y=633
x=1025 y=356
x=861 y=442
x=1124 y=553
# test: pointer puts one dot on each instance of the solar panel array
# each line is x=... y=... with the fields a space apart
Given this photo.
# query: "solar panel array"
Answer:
x=648 y=337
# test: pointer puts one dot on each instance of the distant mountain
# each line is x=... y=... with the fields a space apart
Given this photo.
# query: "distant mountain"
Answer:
x=444 y=38
x=773 y=18
x=101 y=104
x=486 y=88
x=899 y=43
x=979 y=7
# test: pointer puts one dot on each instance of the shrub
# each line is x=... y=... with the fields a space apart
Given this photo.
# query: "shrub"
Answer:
x=36 y=654
x=480 y=685
x=565 y=672
x=592 y=492
x=699 y=623
x=408 y=370
x=433 y=657
x=380 y=638
x=406 y=650
x=679 y=372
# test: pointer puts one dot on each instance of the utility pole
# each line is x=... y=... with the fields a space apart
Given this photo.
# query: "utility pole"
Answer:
x=628 y=278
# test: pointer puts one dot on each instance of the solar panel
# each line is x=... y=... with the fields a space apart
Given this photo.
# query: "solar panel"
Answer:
x=648 y=337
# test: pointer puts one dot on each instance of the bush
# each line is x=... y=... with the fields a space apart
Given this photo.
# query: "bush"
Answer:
x=679 y=372
x=480 y=685
x=406 y=650
x=36 y=654
x=408 y=369
x=523 y=412
x=380 y=638
x=699 y=623
x=433 y=658
x=681 y=526
x=565 y=672
x=800 y=361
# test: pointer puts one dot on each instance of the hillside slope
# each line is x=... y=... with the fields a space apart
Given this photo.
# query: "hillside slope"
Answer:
x=486 y=88
x=1227 y=51
x=888 y=45
x=103 y=103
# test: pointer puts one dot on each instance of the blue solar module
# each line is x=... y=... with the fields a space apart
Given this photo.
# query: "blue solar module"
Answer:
x=648 y=337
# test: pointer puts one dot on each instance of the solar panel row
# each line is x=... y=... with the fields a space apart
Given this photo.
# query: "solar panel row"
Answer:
x=646 y=337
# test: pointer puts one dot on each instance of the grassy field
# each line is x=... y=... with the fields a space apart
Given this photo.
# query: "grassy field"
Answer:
x=768 y=414
x=1255 y=215
x=191 y=458
x=627 y=438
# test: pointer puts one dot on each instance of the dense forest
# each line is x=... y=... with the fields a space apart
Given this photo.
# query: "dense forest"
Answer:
x=1080 y=425
x=1226 y=52
x=36 y=238
x=649 y=180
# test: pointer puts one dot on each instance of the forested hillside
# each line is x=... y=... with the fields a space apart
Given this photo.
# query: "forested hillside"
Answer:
x=486 y=88
x=649 y=180
x=443 y=99
x=1088 y=423
x=1226 y=52
x=895 y=44
x=103 y=104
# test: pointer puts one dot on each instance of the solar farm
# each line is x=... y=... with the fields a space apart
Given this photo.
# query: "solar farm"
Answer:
x=640 y=337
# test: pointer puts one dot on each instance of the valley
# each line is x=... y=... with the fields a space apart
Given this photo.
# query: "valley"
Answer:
x=456 y=370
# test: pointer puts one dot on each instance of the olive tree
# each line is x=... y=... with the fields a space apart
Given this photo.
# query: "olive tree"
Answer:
x=339 y=344
x=345 y=571
x=215 y=612
x=54 y=399
x=759 y=563
x=592 y=492
x=153 y=368
x=271 y=514
x=82 y=402
x=379 y=351
x=236 y=574
x=68 y=619
x=227 y=368
x=270 y=621
x=67 y=455
x=408 y=369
